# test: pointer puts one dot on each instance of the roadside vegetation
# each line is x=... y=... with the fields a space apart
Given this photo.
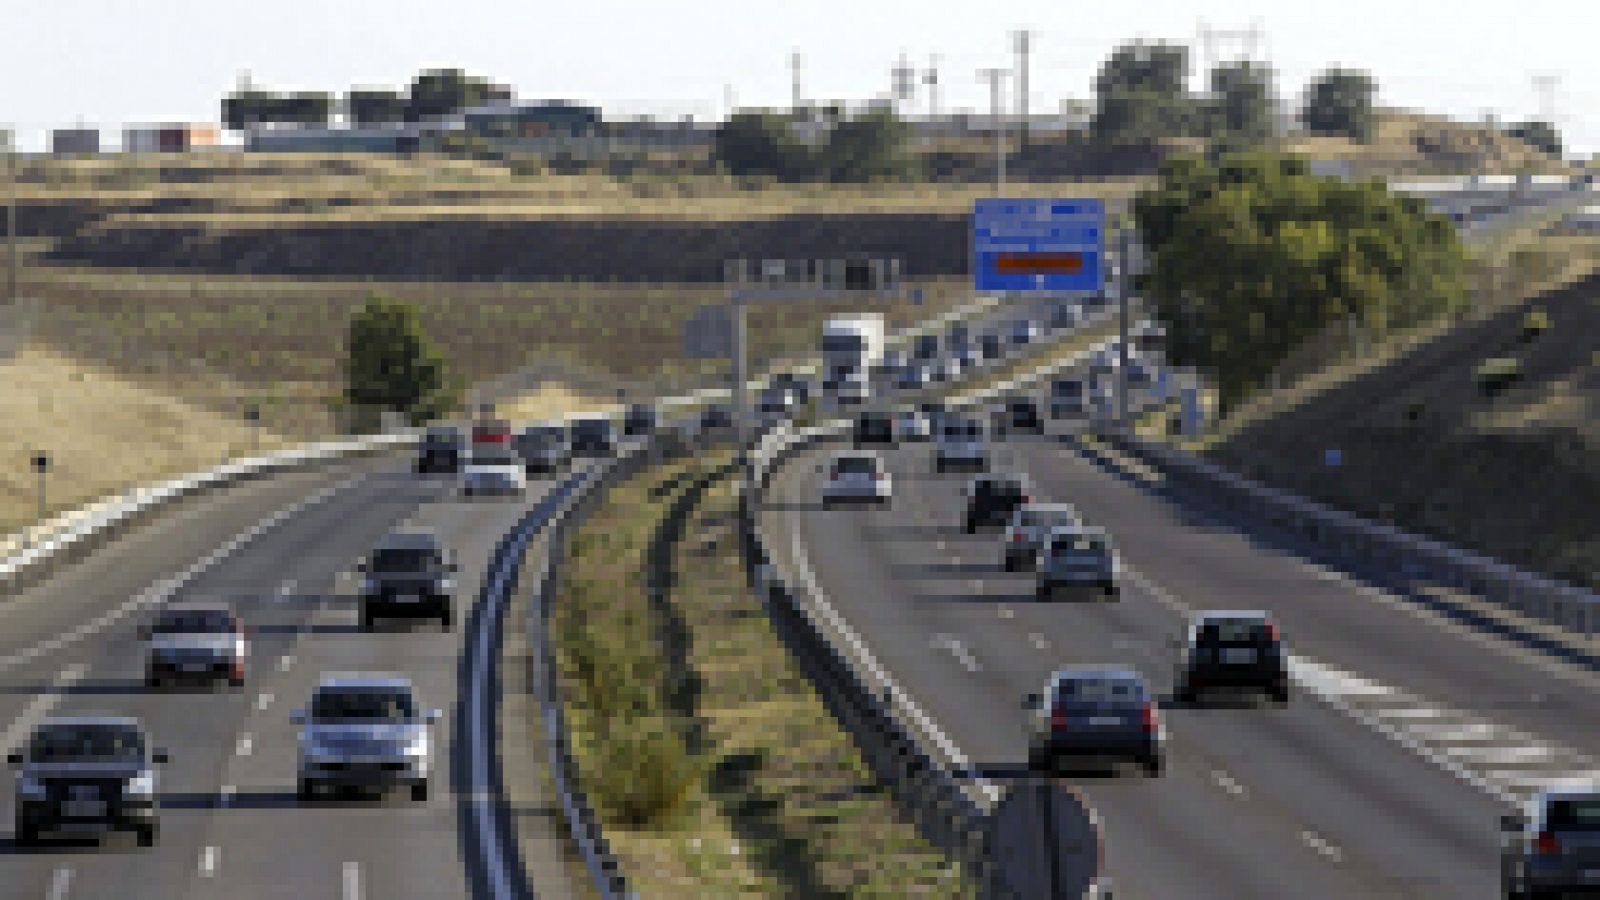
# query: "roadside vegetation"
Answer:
x=716 y=769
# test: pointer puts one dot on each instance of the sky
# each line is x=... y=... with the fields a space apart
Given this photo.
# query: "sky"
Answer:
x=111 y=62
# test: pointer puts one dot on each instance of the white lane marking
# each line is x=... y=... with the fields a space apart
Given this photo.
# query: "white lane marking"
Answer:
x=285 y=662
x=208 y=861
x=1005 y=611
x=1321 y=845
x=285 y=590
x=1226 y=782
x=263 y=701
x=953 y=644
x=352 y=881
x=244 y=746
x=940 y=545
x=59 y=882
x=808 y=579
x=1039 y=643
x=166 y=587
x=38 y=708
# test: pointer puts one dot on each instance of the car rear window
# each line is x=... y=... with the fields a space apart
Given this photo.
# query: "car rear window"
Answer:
x=592 y=428
x=363 y=705
x=193 y=621
x=1575 y=815
x=1099 y=690
x=402 y=560
x=1080 y=545
x=1234 y=632
x=854 y=465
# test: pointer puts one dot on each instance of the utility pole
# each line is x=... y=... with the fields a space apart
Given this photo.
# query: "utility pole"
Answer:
x=794 y=76
x=931 y=79
x=1023 y=37
x=993 y=76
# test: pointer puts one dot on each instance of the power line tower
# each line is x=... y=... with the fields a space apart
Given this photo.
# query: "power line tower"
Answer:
x=931 y=79
x=1545 y=84
x=795 y=100
x=993 y=76
x=904 y=81
x=1023 y=38
x=1246 y=39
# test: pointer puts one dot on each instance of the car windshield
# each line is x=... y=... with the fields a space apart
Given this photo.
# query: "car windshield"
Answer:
x=1575 y=815
x=592 y=428
x=346 y=705
x=59 y=743
x=1099 y=690
x=854 y=465
x=1000 y=488
x=1234 y=631
x=1044 y=518
x=193 y=621
x=442 y=437
x=402 y=560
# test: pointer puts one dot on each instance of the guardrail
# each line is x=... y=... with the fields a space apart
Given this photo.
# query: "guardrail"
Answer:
x=1390 y=549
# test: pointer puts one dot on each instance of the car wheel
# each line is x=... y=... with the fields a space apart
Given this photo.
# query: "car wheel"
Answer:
x=1010 y=565
x=447 y=620
x=1280 y=693
x=1043 y=595
x=306 y=791
x=419 y=792
x=827 y=503
x=152 y=681
x=1153 y=764
x=27 y=834
x=1186 y=694
x=1040 y=760
x=147 y=834
x=236 y=682
x=367 y=620
x=1112 y=594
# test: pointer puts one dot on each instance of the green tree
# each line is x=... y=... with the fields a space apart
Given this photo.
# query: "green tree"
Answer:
x=868 y=147
x=1242 y=105
x=391 y=366
x=1141 y=94
x=1251 y=255
x=753 y=142
x=1340 y=103
x=306 y=108
x=436 y=93
x=1541 y=136
x=374 y=106
x=244 y=108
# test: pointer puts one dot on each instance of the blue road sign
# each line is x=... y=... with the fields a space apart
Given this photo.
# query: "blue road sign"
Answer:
x=1038 y=245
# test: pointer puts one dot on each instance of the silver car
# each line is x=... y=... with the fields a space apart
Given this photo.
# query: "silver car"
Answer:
x=1080 y=559
x=1554 y=847
x=87 y=775
x=493 y=480
x=857 y=478
x=1028 y=527
x=196 y=640
x=364 y=731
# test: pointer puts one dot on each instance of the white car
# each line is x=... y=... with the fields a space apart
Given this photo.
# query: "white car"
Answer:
x=494 y=479
x=857 y=478
x=365 y=731
x=960 y=444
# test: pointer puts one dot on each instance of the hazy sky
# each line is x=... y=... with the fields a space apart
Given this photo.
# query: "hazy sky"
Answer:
x=108 y=62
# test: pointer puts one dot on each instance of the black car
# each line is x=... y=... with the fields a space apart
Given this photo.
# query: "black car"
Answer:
x=1020 y=414
x=88 y=775
x=410 y=574
x=925 y=347
x=1232 y=649
x=874 y=428
x=441 y=450
x=1098 y=713
x=641 y=419
x=991 y=499
x=595 y=436
x=992 y=346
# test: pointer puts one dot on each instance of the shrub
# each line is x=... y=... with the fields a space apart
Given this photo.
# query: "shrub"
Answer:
x=645 y=772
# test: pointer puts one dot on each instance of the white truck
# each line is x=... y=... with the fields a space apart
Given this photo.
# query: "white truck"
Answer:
x=852 y=350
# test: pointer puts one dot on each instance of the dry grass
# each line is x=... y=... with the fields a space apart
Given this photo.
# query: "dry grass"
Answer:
x=787 y=807
x=103 y=434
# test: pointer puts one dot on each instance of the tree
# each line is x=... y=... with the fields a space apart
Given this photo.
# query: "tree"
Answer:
x=1141 y=94
x=868 y=147
x=245 y=108
x=306 y=108
x=1339 y=103
x=760 y=143
x=1541 y=136
x=1252 y=255
x=437 y=93
x=1242 y=105
x=391 y=366
x=374 y=106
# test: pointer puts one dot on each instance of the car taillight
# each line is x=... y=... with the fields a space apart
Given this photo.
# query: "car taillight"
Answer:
x=1018 y=537
x=1546 y=844
x=834 y=477
x=877 y=476
x=1272 y=631
x=1148 y=716
x=1058 y=719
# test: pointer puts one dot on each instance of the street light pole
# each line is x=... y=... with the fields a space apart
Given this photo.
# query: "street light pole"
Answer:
x=993 y=76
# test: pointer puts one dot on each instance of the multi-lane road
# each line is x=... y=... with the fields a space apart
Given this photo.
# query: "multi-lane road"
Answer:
x=1384 y=776
x=231 y=825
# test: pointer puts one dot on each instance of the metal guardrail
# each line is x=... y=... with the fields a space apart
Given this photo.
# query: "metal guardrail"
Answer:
x=1392 y=549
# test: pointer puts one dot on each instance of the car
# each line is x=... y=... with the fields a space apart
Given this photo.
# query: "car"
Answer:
x=959 y=443
x=594 y=437
x=410 y=574
x=493 y=479
x=1068 y=398
x=87 y=775
x=857 y=478
x=716 y=417
x=852 y=388
x=912 y=425
x=1017 y=414
x=1030 y=524
x=1552 y=846
x=1022 y=332
x=925 y=347
x=1140 y=373
x=195 y=640
x=1232 y=649
x=873 y=427
x=958 y=336
x=1079 y=559
x=914 y=375
x=992 y=499
x=440 y=451
x=544 y=448
x=364 y=731
x=991 y=345
x=640 y=419
x=1065 y=315
x=795 y=384
x=775 y=402
x=1096 y=712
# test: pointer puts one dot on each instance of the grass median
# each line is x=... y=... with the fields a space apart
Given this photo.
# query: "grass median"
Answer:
x=712 y=762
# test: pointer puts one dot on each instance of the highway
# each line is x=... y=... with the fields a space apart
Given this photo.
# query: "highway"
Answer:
x=232 y=826
x=1318 y=799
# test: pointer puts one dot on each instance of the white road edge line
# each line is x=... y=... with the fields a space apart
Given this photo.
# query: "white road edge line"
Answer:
x=352 y=881
x=953 y=644
x=208 y=861
x=1321 y=845
x=38 y=708
x=59 y=882
x=1226 y=782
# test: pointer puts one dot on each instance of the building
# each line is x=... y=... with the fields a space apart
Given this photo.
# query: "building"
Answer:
x=171 y=137
x=373 y=139
x=74 y=141
x=513 y=120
